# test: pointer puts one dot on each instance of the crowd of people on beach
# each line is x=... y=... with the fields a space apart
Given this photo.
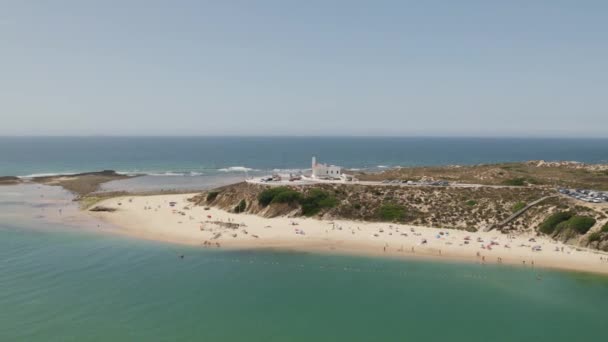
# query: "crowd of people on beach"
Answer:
x=439 y=242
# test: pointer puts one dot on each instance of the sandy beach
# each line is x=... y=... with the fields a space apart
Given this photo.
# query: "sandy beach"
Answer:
x=157 y=218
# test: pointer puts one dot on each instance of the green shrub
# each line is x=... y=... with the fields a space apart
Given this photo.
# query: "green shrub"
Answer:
x=266 y=196
x=532 y=181
x=316 y=200
x=597 y=236
x=391 y=212
x=287 y=196
x=212 y=195
x=240 y=207
x=605 y=228
x=312 y=203
x=471 y=203
x=518 y=206
x=520 y=181
x=579 y=224
x=550 y=223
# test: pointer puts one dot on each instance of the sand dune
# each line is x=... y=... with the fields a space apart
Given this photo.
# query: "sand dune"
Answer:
x=153 y=217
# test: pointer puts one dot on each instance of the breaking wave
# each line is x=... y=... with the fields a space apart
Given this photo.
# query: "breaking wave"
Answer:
x=161 y=173
x=237 y=169
x=50 y=174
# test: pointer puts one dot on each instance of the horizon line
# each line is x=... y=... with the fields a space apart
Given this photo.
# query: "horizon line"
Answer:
x=300 y=136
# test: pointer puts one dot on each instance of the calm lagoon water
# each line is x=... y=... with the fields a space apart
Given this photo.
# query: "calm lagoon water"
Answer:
x=60 y=283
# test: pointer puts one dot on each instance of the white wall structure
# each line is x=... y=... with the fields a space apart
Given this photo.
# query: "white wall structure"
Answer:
x=325 y=171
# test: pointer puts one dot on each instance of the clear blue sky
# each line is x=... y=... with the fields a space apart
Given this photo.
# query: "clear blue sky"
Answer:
x=510 y=68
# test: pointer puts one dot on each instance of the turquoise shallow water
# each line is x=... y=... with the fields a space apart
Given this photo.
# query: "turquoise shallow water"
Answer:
x=59 y=284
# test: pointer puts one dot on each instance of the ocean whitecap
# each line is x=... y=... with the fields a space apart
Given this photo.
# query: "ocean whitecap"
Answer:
x=236 y=169
x=50 y=174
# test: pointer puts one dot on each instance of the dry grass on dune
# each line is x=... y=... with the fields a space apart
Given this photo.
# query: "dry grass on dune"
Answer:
x=572 y=175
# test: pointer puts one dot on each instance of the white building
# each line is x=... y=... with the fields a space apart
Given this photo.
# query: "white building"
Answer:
x=325 y=171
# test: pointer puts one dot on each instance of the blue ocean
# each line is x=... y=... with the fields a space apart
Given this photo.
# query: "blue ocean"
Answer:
x=195 y=156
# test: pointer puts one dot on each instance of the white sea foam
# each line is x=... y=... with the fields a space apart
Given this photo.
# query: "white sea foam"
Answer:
x=160 y=173
x=170 y=174
x=50 y=174
x=236 y=169
x=130 y=173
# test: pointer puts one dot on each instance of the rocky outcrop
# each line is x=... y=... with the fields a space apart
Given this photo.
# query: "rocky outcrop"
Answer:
x=83 y=183
x=9 y=180
x=101 y=208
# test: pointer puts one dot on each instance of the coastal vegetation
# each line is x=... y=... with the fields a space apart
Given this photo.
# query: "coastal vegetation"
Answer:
x=596 y=236
x=427 y=206
x=599 y=239
x=391 y=212
x=566 y=222
x=520 y=181
x=549 y=225
x=241 y=207
x=518 y=206
x=212 y=195
x=535 y=173
x=579 y=224
x=279 y=194
x=288 y=197
x=312 y=202
x=317 y=200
